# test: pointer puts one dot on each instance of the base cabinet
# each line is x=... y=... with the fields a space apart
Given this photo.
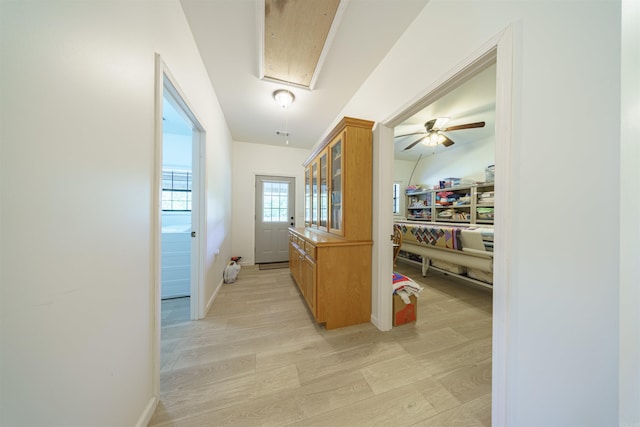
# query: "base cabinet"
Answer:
x=308 y=280
x=333 y=275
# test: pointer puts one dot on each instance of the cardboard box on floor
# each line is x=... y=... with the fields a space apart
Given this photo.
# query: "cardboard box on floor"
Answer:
x=404 y=313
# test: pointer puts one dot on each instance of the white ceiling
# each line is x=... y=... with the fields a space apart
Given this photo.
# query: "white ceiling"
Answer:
x=227 y=35
x=470 y=102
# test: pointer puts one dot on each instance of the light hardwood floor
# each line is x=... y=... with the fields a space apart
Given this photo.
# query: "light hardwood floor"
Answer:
x=258 y=359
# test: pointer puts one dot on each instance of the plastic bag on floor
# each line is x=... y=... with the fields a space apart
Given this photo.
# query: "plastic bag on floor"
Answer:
x=231 y=272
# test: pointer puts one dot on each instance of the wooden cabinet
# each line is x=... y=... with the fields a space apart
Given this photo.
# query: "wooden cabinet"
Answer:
x=307 y=197
x=303 y=268
x=308 y=279
x=335 y=156
x=330 y=258
x=340 y=172
x=334 y=276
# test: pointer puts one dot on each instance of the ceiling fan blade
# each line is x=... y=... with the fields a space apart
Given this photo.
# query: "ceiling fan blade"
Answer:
x=447 y=142
x=409 y=134
x=413 y=144
x=429 y=124
x=467 y=126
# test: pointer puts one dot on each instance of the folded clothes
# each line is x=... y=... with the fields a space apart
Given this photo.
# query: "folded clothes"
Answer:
x=404 y=287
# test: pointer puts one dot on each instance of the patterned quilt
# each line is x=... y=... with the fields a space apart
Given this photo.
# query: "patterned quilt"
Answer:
x=431 y=235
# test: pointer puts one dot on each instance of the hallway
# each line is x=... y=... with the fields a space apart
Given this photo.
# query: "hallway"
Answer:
x=259 y=359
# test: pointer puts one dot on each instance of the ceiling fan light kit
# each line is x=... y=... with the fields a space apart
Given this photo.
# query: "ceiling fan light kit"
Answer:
x=434 y=133
x=440 y=121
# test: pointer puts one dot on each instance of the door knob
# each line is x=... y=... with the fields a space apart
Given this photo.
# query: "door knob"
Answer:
x=193 y=234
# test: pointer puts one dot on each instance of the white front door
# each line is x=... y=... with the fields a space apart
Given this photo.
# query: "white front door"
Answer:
x=274 y=214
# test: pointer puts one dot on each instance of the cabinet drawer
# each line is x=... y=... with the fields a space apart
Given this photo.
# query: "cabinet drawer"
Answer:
x=310 y=249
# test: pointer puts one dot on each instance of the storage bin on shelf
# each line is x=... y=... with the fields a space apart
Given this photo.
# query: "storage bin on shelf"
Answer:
x=490 y=173
x=449 y=182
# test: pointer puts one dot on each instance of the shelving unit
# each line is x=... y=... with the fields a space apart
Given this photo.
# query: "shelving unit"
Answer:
x=484 y=202
x=420 y=206
x=470 y=204
x=330 y=258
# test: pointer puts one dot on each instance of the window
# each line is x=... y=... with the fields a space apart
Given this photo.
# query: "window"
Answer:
x=275 y=201
x=176 y=190
x=396 y=198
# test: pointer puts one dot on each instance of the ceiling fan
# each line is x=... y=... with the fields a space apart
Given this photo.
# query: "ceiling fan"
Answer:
x=434 y=132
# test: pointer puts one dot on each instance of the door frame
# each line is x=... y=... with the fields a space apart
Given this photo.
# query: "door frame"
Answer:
x=171 y=90
x=165 y=83
x=500 y=50
x=255 y=204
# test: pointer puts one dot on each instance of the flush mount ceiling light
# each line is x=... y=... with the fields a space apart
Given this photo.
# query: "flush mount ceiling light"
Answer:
x=283 y=97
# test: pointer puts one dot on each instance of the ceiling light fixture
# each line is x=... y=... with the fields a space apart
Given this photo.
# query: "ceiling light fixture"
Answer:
x=440 y=121
x=283 y=97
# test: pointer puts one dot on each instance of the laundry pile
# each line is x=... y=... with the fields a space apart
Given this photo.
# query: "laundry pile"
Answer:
x=404 y=287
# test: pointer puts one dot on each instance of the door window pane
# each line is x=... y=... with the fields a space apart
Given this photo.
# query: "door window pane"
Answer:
x=314 y=194
x=307 y=197
x=324 y=208
x=275 y=201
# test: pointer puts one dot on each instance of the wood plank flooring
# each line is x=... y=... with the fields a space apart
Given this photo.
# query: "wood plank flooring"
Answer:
x=258 y=359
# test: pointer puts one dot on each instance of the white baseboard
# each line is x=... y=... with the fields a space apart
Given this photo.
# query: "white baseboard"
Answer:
x=146 y=415
x=213 y=296
x=376 y=322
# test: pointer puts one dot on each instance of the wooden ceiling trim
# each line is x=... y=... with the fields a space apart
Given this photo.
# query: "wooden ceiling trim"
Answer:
x=295 y=34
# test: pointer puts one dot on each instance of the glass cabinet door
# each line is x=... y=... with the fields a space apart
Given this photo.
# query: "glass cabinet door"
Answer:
x=314 y=194
x=336 y=186
x=324 y=206
x=307 y=197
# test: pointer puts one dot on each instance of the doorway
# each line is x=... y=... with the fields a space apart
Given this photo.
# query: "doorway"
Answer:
x=177 y=185
x=498 y=50
x=181 y=207
x=275 y=205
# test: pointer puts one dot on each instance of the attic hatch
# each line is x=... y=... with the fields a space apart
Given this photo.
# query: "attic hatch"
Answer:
x=296 y=32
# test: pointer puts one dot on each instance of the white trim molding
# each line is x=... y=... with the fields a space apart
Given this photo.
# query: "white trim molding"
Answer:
x=499 y=49
x=146 y=415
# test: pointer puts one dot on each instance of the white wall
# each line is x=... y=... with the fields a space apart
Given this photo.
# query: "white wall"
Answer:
x=250 y=160
x=402 y=174
x=466 y=162
x=562 y=334
x=629 y=215
x=176 y=151
x=77 y=298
